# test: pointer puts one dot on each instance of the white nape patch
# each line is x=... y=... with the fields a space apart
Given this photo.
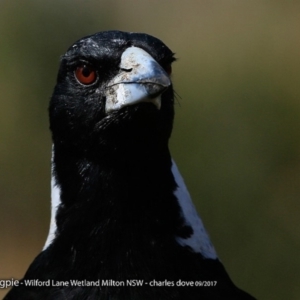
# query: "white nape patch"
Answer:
x=141 y=79
x=55 y=202
x=199 y=241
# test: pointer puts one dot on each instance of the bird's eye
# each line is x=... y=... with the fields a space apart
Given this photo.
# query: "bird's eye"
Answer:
x=85 y=74
x=168 y=69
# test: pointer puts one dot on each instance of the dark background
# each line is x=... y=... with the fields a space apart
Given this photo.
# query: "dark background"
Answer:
x=236 y=138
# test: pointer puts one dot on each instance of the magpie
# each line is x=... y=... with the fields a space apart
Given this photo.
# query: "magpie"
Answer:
x=123 y=225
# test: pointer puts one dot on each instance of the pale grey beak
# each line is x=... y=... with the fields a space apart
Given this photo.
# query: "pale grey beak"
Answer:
x=141 y=79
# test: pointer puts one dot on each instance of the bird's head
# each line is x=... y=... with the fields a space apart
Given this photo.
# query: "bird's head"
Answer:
x=113 y=87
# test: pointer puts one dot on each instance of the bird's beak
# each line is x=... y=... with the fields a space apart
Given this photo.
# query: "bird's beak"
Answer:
x=141 y=79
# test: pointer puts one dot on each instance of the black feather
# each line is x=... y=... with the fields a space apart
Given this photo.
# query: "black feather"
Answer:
x=118 y=217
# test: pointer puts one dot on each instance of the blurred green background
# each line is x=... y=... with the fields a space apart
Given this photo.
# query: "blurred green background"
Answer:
x=236 y=137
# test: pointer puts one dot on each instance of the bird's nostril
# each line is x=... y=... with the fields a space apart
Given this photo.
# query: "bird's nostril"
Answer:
x=126 y=70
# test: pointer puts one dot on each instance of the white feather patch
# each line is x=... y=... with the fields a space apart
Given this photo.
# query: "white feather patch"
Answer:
x=199 y=241
x=55 y=202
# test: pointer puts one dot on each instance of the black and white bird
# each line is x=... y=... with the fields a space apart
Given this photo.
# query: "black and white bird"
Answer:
x=120 y=208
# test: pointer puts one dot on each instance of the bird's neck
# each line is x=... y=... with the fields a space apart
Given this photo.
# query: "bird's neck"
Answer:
x=115 y=195
x=112 y=207
x=83 y=177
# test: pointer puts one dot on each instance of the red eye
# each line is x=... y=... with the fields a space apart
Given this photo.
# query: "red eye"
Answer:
x=168 y=69
x=85 y=74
